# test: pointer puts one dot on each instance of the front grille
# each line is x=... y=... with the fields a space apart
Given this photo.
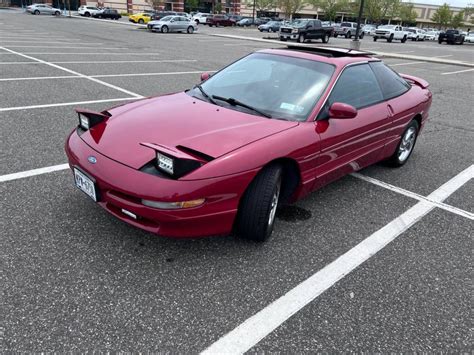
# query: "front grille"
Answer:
x=286 y=30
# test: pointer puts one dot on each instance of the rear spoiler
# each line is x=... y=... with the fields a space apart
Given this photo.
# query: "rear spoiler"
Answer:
x=414 y=80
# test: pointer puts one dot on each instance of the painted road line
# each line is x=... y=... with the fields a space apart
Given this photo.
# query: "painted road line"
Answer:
x=107 y=75
x=408 y=63
x=128 y=92
x=28 y=173
x=89 y=53
x=257 y=327
x=68 y=47
x=414 y=195
x=16 y=108
x=105 y=61
x=457 y=72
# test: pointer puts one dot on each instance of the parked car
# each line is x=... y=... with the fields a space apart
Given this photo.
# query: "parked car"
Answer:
x=172 y=24
x=219 y=20
x=43 y=9
x=348 y=30
x=184 y=14
x=262 y=20
x=271 y=26
x=235 y=18
x=245 y=22
x=220 y=157
x=108 y=13
x=431 y=35
x=87 y=11
x=470 y=37
x=369 y=29
x=305 y=29
x=160 y=14
x=390 y=33
x=201 y=18
x=143 y=17
x=415 y=34
x=451 y=37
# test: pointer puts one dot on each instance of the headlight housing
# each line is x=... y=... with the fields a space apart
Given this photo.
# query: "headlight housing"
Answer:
x=88 y=119
x=294 y=30
x=173 y=205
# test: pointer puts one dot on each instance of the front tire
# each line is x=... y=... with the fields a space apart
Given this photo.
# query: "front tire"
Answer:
x=141 y=22
x=258 y=206
x=375 y=39
x=164 y=29
x=405 y=146
x=390 y=39
x=301 y=38
x=36 y=12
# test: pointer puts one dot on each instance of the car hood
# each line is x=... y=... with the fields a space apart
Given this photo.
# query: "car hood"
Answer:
x=177 y=121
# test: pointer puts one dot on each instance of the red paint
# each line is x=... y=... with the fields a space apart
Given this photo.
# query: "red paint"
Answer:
x=238 y=145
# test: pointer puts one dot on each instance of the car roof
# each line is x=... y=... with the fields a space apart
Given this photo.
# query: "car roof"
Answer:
x=339 y=57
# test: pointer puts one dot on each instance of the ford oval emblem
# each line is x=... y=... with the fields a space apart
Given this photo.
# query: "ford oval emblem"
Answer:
x=92 y=159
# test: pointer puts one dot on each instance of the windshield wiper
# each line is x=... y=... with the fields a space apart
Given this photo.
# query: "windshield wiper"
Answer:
x=204 y=94
x=234 y=102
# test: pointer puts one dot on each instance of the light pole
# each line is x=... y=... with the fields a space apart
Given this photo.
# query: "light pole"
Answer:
x=253 y=10
x=355 y=44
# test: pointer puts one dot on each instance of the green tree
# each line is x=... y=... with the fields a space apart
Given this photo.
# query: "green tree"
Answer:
x=457 y=20
x=262 y=5
x=218 y=8
x=389 y=9
x=442 y=16
x=290 y=7
x=372 y=11
x=469 y=11
x=331 y=7
x=407 y=13
x=191 y=4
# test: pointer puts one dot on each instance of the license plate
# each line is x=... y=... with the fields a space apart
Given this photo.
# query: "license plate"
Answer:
x=85 y=184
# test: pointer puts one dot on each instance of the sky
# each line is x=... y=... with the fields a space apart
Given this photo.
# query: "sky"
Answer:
x=455 y=3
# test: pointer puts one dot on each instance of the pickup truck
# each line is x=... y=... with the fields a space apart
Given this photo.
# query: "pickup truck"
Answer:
x=348 y=30
x=391 y=32
x=451 y=37
x=305 y=29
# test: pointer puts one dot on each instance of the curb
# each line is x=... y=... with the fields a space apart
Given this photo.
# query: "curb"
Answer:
x=380 y=54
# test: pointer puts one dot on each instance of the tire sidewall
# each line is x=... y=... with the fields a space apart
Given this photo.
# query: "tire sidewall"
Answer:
x=395 y=159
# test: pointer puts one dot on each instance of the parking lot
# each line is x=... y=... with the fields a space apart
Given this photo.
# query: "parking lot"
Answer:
x=380 y=261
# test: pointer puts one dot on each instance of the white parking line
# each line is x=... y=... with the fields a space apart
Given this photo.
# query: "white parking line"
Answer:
x=76 y=73
x=91 y=53
x=457 y=72
x=408 y=63
x=104 y=61
x=68 y=47
x=20 y=41
x=257 y=327
x=404 y=52
x=28 y=173
x=17 y=108
x=414 y=195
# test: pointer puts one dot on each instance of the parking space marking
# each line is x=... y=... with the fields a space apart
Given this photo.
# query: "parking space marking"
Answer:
x=407 y=63
x=90 y=53
x=67 y=41
x=414 y=195
x=76 y=73
x=67 y=47
x=17 y=108
x=457 y=72
x=104 y=61
x=28 y=173
x=107 y=75
x=257 y=327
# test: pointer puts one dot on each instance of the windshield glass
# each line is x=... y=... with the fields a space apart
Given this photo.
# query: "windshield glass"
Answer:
x=386 y=27
x=166 y=18
x=299 y=23
x=283 y=87
x=346 y=24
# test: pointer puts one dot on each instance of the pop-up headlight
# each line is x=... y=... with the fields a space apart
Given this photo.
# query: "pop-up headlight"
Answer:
x=88 y=119
x=165 y=163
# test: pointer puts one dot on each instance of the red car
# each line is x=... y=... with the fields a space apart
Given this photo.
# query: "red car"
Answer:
x=219 y=20
x=265 y=130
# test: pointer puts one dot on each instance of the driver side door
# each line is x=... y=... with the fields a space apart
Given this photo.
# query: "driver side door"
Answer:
x=348 y=145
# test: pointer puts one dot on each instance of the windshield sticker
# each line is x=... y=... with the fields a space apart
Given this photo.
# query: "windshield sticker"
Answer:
x=291 y=107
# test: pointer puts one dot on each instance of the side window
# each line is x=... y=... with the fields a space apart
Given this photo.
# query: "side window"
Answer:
x=317 y=23
x=357 y=86
x=391 y=83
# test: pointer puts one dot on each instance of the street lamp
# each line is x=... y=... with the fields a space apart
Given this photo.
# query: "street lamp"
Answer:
x=355 y=44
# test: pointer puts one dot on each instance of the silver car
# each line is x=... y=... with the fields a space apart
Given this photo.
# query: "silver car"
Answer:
x=43 y=9
x=172 y=24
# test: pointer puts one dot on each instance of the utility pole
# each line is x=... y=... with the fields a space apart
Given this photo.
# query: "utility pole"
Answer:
x=355 y=43
x=253 y=10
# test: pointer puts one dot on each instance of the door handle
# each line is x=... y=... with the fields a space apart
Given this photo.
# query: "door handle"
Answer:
x=390 y=110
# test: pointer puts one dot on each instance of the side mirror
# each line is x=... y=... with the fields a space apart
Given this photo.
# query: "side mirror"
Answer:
x=205 y=76
x=339 y=110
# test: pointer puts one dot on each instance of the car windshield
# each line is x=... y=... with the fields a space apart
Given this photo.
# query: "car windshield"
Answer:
x=452 y=31
x=410 y=30
x=166 y=18
x=386 y=27
x=280 y=86
x=299 y=23
x=271 y=23
x=346 y=24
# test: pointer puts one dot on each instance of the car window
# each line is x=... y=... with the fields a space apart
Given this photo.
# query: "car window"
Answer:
x=392 y=84
x=357 y=86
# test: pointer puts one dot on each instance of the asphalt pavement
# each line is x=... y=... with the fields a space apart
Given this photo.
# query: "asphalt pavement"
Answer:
x=75 y=278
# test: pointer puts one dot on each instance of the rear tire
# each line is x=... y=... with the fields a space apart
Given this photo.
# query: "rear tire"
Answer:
x=405 y=146
x=326 y=38
x=375 y=39
x=348 y=34
x=57 y=13
x=140 y=21
x=36 y=12
x=258 y=206
x=190 y=30
x=404 y=39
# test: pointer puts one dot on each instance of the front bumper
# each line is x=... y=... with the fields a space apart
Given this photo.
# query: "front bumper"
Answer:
x=286 y=35
x=121 y=187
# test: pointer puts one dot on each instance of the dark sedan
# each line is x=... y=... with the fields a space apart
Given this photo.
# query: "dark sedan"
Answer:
x=108 y=13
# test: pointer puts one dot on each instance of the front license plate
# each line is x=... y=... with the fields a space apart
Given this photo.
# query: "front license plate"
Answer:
x=85 y=184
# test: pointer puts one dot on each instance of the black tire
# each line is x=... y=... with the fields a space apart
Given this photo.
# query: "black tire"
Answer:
x=36 y=12
x=254 y=219
x=440 y=41
x=390 y=39
x=361 y=36
x=395 y=160
x=164 y=29
x=413 y=39
x=57 y=13
x=326 y=38
x=197 y=22
x=404 y=39
x=140 y=21
x=348 y=34
x=190 y=30
x=301 y=38
x=87 y=14
x=282 y=39
x=335 y=35
x=375 y=39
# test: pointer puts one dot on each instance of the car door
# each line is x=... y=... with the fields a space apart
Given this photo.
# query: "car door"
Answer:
x=318 y=29
x=348 y=145
x=174 y=24
x=183 y=23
